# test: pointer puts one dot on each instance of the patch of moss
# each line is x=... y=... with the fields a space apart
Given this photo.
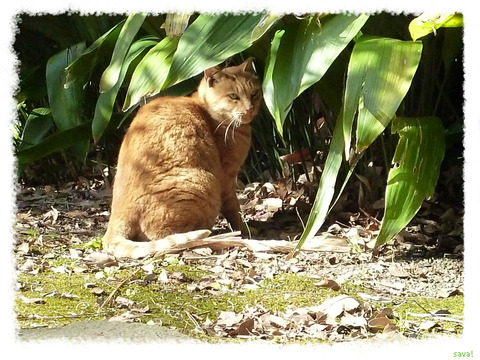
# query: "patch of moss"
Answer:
x=66 y=300
x=172 y=304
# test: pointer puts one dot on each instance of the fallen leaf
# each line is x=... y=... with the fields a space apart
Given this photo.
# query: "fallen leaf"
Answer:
x=100 y=259
x=97 y=290
x=398 y=271
x=245 y=328
x=428 y=325
x=23 y=248
x=51 y=214
x=27 y=266
x=31 y=300
x=333 y=307
x=375 y=298
x=353 y=321
x=229 y=318
x=123 y=302
x=379 y=323
x=329 y=284
x=126 y=317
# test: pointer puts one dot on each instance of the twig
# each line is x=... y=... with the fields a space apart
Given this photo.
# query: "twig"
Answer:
x=112 y=294
x=437 y=317
x=195 y=323
x=35 y=316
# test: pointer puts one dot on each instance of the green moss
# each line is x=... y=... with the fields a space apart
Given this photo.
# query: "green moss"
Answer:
x=174 y=305
x=66 y=300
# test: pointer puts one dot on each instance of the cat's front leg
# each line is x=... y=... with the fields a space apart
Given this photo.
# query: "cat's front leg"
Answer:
x=231 y=211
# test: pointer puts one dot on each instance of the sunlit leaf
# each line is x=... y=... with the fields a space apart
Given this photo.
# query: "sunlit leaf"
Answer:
x=106 y=100
x=430 y=22
x=264 y=25
x=376 y=85
x=127 y=34
x=211 y=39
x=151 y=73
x=90 y=57
x=301 y=56
x=413 y=178
x=380 y=73
x=175 y=24
x=326 y=188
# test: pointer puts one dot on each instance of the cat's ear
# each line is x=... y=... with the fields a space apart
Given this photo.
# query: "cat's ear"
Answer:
x=247 y=65
x=209 y=73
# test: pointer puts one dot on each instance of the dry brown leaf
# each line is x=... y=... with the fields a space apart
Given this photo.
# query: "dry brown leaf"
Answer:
x=379 y=323
x=245 y=328
x=329 y=284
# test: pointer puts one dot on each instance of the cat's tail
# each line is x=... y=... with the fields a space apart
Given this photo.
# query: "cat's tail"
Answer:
x=121 y=247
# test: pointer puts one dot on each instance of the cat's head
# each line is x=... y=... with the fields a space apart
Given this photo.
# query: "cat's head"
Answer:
x=232 y=95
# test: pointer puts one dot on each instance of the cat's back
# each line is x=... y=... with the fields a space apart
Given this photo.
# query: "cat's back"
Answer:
x=172 y=127
x=170 y=111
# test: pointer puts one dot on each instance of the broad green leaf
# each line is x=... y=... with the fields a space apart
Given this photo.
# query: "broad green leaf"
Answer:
x=175 y=24
x=268 y=84
x=263 y=26
x=127 y=33
x=38 y=124
x=326 y=188
x=430 y=22
x=76 y=136
x=151 y=73
x=380 y=73
x=300 y=57
x=413 y=178
x=90 y=57
x=106 y=100
x=66 y=104
x=211 y=39
x=373 y=76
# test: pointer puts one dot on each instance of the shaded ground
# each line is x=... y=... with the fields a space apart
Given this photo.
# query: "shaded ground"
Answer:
x=413 y=289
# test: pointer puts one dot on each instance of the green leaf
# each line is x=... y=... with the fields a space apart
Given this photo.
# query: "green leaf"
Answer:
x=263 y=26
x=428 y=23
x=268 y=84
x=61 y=140
x=380 y=73
x=151 y=73
x=90 y=57
x=413 y=178
x=129 y=30
x=175 y=24
x=106 y=100
x=211 y=39
x=66 y=104
x=326 y=188
x=376 y=85
x=38 y=124
x=301 y=56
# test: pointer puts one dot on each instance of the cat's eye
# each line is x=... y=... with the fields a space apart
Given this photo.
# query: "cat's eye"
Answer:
x=254 y=94
x=233 y=96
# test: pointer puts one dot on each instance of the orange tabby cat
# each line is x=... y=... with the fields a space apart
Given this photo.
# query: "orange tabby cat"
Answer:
x=178 y=164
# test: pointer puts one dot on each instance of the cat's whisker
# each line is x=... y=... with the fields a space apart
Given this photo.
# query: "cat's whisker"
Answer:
x=218 y=126
x=232 y=122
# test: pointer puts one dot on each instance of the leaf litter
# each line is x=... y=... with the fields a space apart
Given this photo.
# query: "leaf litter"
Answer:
x=424 y=260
